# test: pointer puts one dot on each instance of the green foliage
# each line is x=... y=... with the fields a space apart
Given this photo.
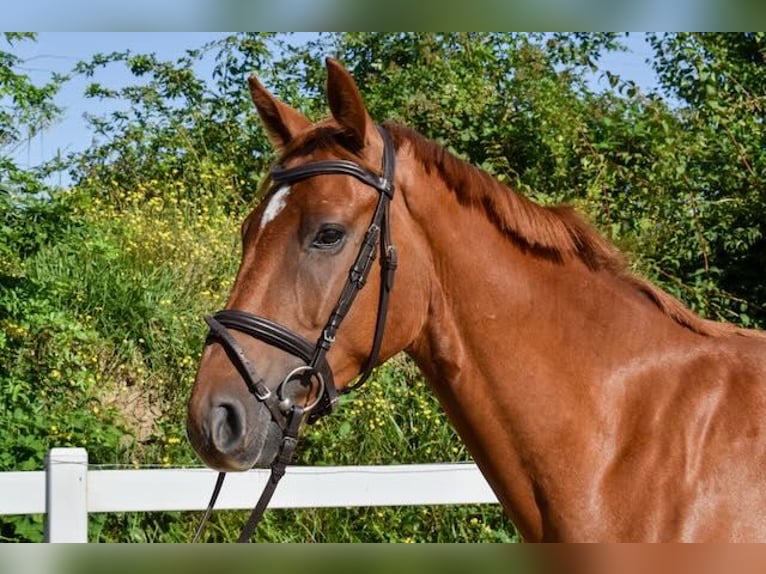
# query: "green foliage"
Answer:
x=200 y=132
x=25 y=110
x=720 y=81
x=102 y=286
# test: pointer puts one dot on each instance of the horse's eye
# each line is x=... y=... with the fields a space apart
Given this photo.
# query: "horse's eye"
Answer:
x=328 y=237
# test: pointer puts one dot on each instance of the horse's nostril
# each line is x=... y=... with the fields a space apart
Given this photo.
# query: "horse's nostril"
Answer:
x=228 y=427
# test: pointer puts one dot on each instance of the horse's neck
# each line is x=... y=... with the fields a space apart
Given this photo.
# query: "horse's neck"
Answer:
x=514 y=350
x=495 y=304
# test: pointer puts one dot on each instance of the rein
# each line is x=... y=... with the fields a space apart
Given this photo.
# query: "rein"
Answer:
x=316 y=373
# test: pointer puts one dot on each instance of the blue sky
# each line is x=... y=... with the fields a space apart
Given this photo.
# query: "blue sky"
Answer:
x=59 y=52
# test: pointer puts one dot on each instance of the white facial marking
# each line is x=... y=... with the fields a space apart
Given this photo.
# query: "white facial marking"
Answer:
x=275 y=206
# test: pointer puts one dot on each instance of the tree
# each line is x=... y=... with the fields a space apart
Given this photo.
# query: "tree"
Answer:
x=719 y=81
x=25 y=110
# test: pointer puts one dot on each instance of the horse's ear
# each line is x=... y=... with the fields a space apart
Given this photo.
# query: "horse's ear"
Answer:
x=282 y=122
x=346 y=102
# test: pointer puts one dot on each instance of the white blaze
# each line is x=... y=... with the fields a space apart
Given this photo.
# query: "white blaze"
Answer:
x=275 y=206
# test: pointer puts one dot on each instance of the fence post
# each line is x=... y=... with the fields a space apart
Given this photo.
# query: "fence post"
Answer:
x=66 y=495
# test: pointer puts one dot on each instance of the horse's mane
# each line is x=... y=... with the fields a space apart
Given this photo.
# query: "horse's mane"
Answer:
x=557 y=232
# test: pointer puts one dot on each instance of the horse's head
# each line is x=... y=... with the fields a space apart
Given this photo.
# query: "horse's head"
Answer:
x=283 y=341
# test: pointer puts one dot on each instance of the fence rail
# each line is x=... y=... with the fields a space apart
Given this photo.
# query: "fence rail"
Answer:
x=67 y=490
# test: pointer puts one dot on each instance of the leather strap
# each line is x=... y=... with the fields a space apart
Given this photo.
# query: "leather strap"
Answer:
x=288 y=415
x=333 y=166
x=209 y=510
x=285 y=456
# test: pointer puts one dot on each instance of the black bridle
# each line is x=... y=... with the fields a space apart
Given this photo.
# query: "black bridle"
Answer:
x=316 y=373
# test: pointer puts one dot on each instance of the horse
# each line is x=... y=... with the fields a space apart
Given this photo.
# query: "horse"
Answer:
x=597 y=406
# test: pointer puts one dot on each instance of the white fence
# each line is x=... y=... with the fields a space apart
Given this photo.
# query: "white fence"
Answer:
x=67 y=490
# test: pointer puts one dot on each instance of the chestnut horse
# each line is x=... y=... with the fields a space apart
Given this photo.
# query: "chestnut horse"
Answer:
x=597 y=406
